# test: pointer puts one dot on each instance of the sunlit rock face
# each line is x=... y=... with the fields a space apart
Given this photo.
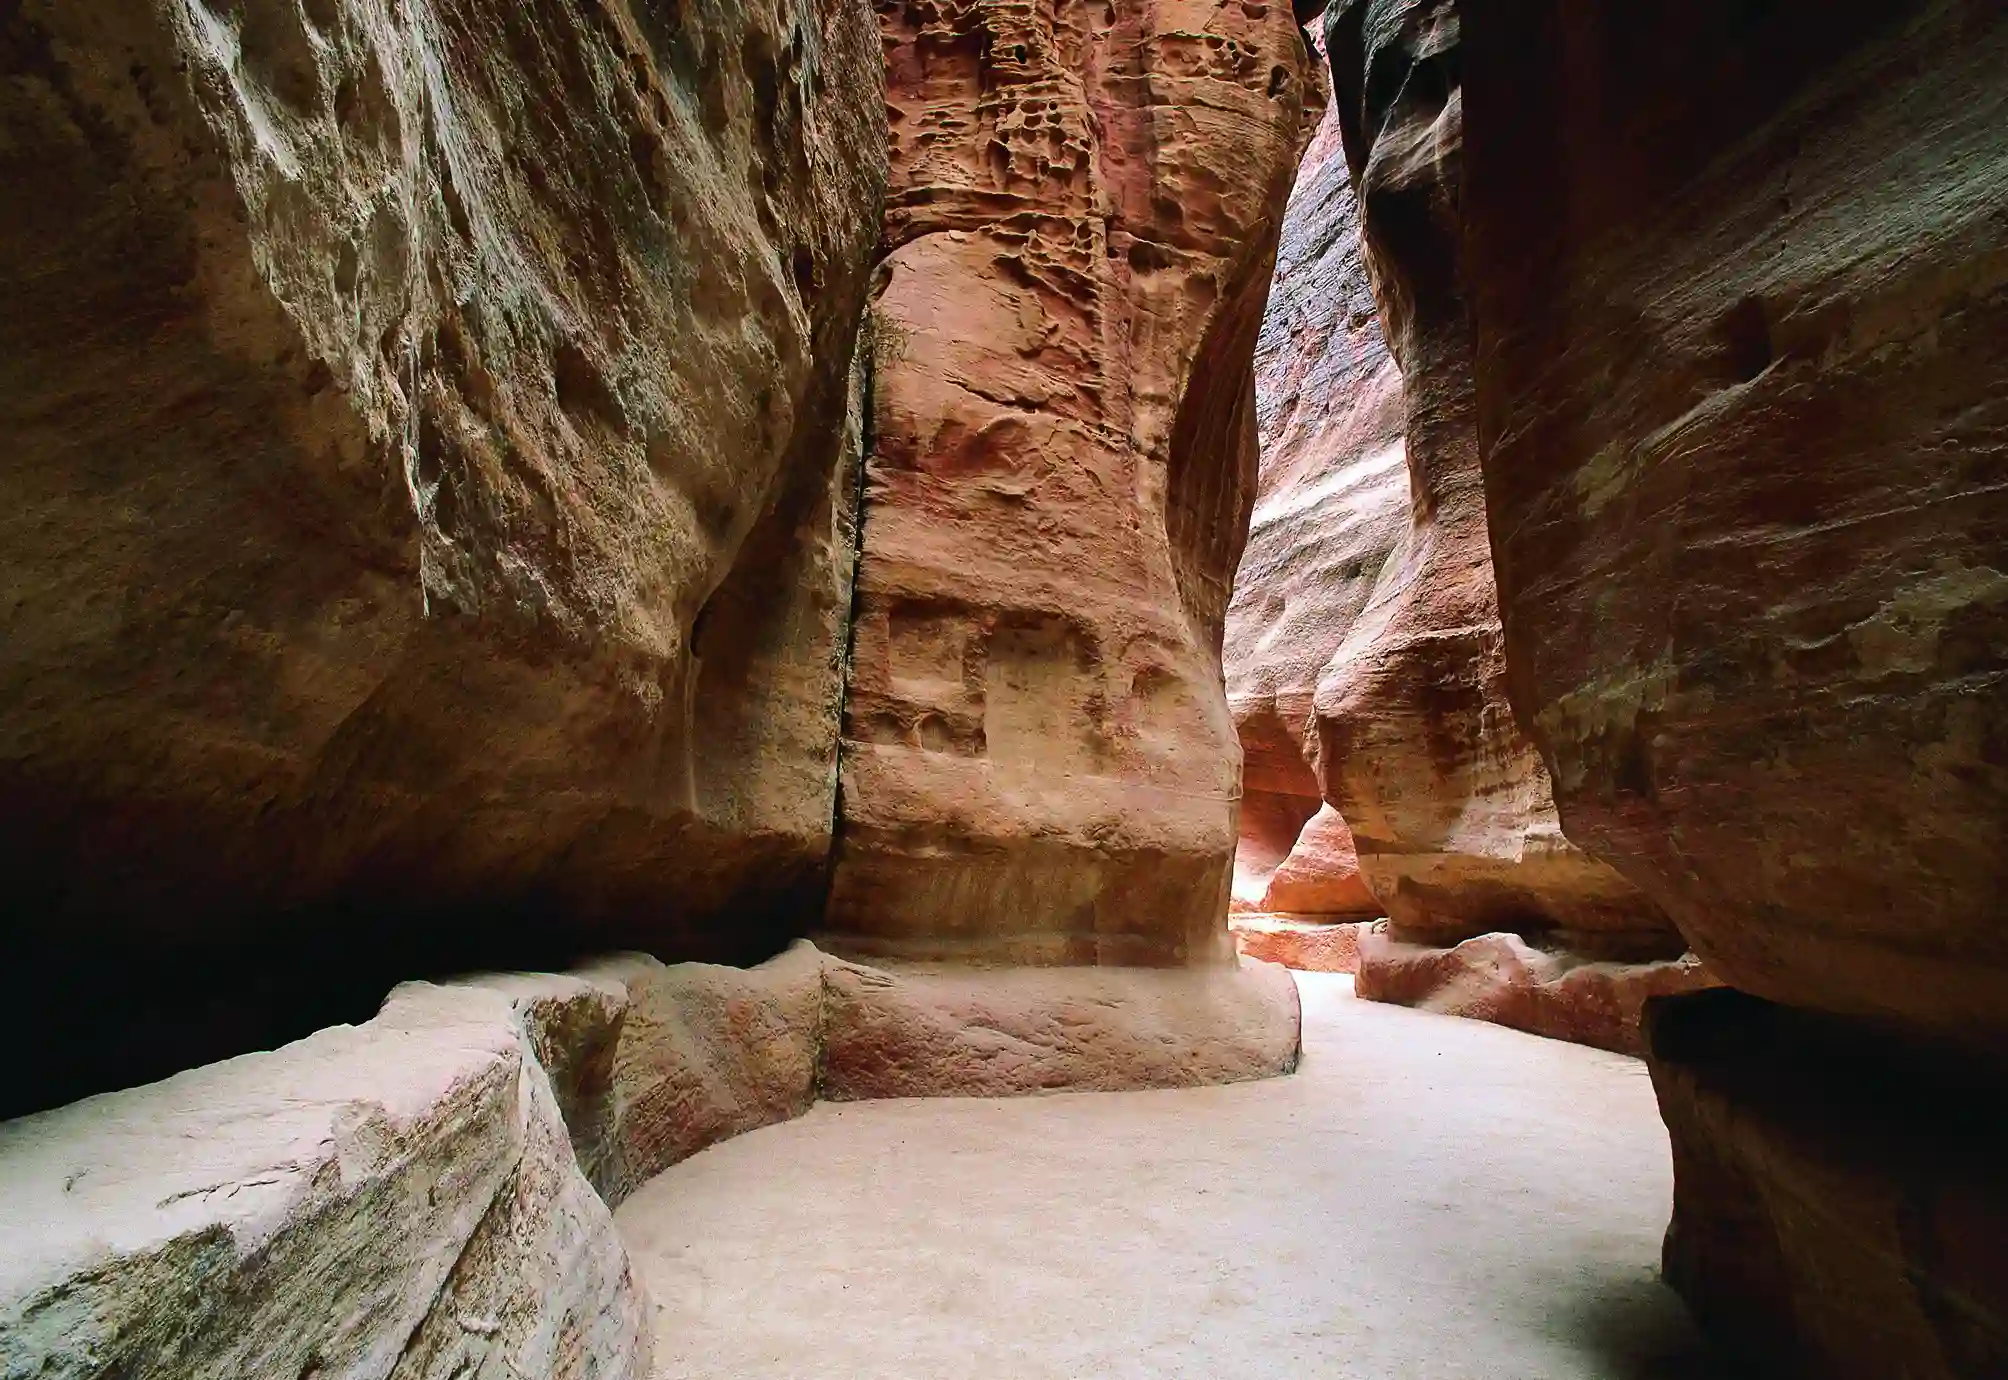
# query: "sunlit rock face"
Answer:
x=1739 y=281
x=1331 y=503
x=1449 y=805
x=1039 y=764
x=428 y=493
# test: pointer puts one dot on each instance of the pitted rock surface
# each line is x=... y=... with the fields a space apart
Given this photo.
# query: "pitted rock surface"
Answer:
x=1039 y=764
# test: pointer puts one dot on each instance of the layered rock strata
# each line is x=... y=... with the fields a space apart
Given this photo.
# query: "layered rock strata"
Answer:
x=395 y=1199
x=428 y=1194
x=1038 y=763
x=428 y=498
x=1449 y=805
x=1331 y=500
x=1741 y=305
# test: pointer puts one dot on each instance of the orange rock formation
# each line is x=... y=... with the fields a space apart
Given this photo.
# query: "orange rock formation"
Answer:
x=1038 y=761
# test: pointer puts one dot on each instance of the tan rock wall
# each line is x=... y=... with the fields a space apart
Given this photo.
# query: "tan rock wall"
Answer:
x=1038 y=762
x=427 y=501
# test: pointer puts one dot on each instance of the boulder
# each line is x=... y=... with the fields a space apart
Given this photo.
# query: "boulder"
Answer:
x=932 y=1032
x=1304 y=943
x=1503 y=979
x=428 y=493
x=1321 y=876
x=1039 y=765
x=395 y=1199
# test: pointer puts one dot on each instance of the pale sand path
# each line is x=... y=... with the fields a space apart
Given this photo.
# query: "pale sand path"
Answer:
x=1426 y=1199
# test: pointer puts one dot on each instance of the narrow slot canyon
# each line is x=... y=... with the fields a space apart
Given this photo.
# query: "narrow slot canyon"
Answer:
x=1004 y=688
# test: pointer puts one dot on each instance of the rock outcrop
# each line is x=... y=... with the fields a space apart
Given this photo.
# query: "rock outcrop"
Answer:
x=1331 y=502
x=427 y=1194
x=1039 y=765
x=1740 y=293
x=939 y=1032
x=399 y=1199
x=1503 y=979
x=1310 y=946
x=1839 y=1206
x=428 y=497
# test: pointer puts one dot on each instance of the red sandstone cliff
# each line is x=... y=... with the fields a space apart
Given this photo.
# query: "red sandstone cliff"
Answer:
x=1039 y=764
x=1331 y=502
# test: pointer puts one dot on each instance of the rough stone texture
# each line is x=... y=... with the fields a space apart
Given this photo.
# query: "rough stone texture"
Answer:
x=1748 y=454
x=427 y=1194
x=1501 y=978
x=921 y=1033
x=396 y=1199
x=1449 y=805
x=427 y=504
x=1839 y=1205
x=1331 y=502
x=707 y=1052
x=1303 y=944
x=1742 y=365
x=1039 y=765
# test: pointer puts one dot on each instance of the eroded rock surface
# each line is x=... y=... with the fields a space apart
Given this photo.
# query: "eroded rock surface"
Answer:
x=427 y=1194
x=1741 y=304
x=1331 y=503
x=917 y=1032
x=1839 y=1207
x=428 y=499
x=1039 y=765
x=1503 y=979
x=706 y=1052
x=1753 y=519
x=1449 y=805
x=396 y=1199
x=1302 y=943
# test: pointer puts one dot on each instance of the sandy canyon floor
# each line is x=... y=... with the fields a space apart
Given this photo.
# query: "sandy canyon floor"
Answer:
x=1427 y=1199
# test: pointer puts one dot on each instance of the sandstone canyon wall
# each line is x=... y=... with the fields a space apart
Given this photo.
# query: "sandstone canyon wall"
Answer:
x=1741 y=312
x=427 y=525
x=1448 y=802
x=1039 y=765
x=1331 y=501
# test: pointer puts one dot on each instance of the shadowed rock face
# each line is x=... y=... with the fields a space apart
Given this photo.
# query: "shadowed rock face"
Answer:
x=426 y=488
x=1449 y=805
x=1741 y=307
x=1038 y=761
x=1746 y=404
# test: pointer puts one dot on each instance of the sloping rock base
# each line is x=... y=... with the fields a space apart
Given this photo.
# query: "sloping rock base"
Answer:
x=1503 y=979
x=1839 y=1204
x=428 y=1194
x=1307 y=943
